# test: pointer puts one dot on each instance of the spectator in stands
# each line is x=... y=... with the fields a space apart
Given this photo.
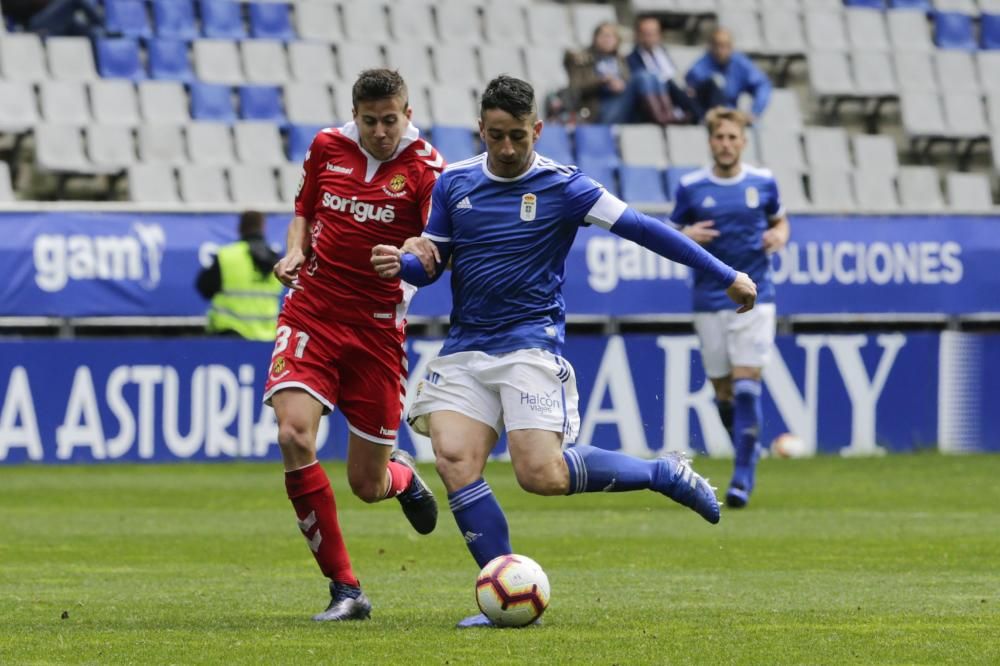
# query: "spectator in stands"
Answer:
x=650 y=56
x=240 y=283
x=720 y=76
x=606 y=91
x=55 y=17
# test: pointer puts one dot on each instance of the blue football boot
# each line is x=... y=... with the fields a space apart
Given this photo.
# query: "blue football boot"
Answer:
x=477 y=620
x=677 y=480
x=744 y=478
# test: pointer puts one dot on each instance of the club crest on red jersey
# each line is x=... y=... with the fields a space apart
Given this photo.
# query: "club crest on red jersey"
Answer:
x=396 y=185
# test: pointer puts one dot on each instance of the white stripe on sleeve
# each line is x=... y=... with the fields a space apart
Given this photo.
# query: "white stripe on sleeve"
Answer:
x=606 y=211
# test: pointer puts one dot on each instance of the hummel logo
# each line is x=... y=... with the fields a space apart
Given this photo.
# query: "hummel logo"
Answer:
x=336 y=168
x=471 y=536
x=464 y=203
x=708 y=202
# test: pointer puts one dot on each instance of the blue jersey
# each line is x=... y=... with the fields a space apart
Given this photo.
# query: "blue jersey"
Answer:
x=509 y=238
x=741 y=208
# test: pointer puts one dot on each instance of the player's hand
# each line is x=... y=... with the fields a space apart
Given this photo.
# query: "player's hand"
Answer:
x=287 y=268
x=702 y=232
x=426 y=251
x=774 y=239
x=743 y=292
x=387 y=261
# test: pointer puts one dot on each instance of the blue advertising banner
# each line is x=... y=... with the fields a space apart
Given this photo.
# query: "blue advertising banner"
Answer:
x=135 y=264
x=180 y=399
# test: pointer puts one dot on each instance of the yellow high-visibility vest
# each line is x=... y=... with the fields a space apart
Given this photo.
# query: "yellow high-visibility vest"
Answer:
x=248 y=301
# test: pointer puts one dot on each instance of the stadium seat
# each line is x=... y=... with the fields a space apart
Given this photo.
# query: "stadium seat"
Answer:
x=357 y=57
x=953 y=31
x=642 y=145
x=288 y=181
x=59 y=148
x=412 y=21
x=549 y=25
x=642 y=185
x=920 y=188
x=127 y=18
x=782 y=32
x=202 y=184
x=792 y=190
x=454 y=143
x=922 y=5
x=64 y=103
x=221 y=19
x=300 y=137
x=71 y=59
x=505 y=25
x=168 y=59
x=343 y=110
x=783 y=110
x=915 y=71
x=586 y=16
x=868 y=4
x=175 y=19
x=452 y=105
x=968 y=192
x=989 y=70
x=212 y=102
x=258 y=143
x=967 y=7
x=210 y=143
x=18 y=108
x=545 y=69
x=875 y=190
x=261 y=103
x=829 y=76
x=672 y=177
x=993 y=112
x=119 y=58
x=217 y=61
x=413 y=61
x=908 y=31
x=873 y=74
x=956 y=72
x=458 y=22
x=826 y=148
x=866 y=30
x=831 y=189
x=270 y=20
x=253 y=185
x=308 y=104
x=595 y=145
x=110 y=147
x=598 y=169
x=264 y=61
x=152 y=183
x=6 y=184
x=922 y=115
x=989 y=31
x=781 y=149
x=688 y=146
x=875 y=152
x=365 y=21
x=22 y=58
x=161 y=144
x=744 y=25
x=825 y=30
x=312 y=62
x=554 y=144
x=318 y=20
x=497 y=59
x=455 y=64
x=114 y=103
x=964 y=116
x=163 y=102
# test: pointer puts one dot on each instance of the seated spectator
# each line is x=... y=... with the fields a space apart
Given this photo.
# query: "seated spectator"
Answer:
x=720 y=76
x=650 y=56
x=55 y=17
x=605 y=90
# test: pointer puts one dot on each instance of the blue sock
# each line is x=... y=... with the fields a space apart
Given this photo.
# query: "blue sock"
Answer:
x=746 y=419
x=592 y=469
x=481 y=521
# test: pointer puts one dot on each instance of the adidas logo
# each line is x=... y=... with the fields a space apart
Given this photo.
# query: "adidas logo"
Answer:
x=707 y=202
x=471 y=536
x=464 y=203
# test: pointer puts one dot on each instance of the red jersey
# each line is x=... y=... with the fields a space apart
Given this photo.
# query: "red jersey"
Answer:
x=353 y=202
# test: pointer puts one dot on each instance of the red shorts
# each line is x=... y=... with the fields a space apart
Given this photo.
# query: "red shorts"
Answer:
x=362 y=370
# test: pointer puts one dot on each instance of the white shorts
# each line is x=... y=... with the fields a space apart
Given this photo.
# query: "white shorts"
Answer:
x=729 y=339
x=527 y=388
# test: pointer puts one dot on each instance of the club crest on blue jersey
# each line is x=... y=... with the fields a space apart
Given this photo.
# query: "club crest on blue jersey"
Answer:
x=752 y=197
x=529 y=204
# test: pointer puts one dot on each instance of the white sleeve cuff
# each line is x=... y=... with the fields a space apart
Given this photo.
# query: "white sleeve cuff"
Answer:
x=439 y=239
x=606 y=211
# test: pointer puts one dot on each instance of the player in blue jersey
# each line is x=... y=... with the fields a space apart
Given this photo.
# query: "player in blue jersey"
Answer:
x=507 y=219
x=735 y=211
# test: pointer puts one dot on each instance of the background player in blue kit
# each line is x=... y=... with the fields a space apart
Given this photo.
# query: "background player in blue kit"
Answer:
x=507 y=219
x=735 y=211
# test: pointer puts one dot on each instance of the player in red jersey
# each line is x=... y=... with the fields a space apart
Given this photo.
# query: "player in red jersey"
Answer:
x=340 y=337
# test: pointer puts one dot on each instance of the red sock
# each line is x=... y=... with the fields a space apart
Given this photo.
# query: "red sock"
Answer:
x=311 y=495
x=399 y=478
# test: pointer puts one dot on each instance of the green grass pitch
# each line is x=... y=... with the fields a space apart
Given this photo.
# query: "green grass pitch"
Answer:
x=837 y=561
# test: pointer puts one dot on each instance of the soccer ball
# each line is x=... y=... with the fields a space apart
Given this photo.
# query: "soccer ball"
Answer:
x=512 y=590
x=787 y=445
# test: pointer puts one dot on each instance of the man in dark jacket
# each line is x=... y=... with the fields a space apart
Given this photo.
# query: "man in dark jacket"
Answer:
x=650 y=56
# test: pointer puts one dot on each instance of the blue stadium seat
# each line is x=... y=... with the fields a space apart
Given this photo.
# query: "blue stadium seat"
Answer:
x=127 y=18
x=989 y=31
x=222 y=19
x=261 y=103
x=870 y=4
x=642 y=184
x=953 y=31
x=175 y=19
x=673 y=178
x=554 y=144
x=210 y=101
x=595 y=144
x=118 y=58
x=923 y=5
x=168 y=59
x=271 y=20
x=299 y=139
x=598 y=169
x=455 y=143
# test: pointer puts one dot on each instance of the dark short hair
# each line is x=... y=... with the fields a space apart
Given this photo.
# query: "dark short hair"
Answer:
x=373 y=84
x=506 y=93
x=251 y=223
x=640 y=18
